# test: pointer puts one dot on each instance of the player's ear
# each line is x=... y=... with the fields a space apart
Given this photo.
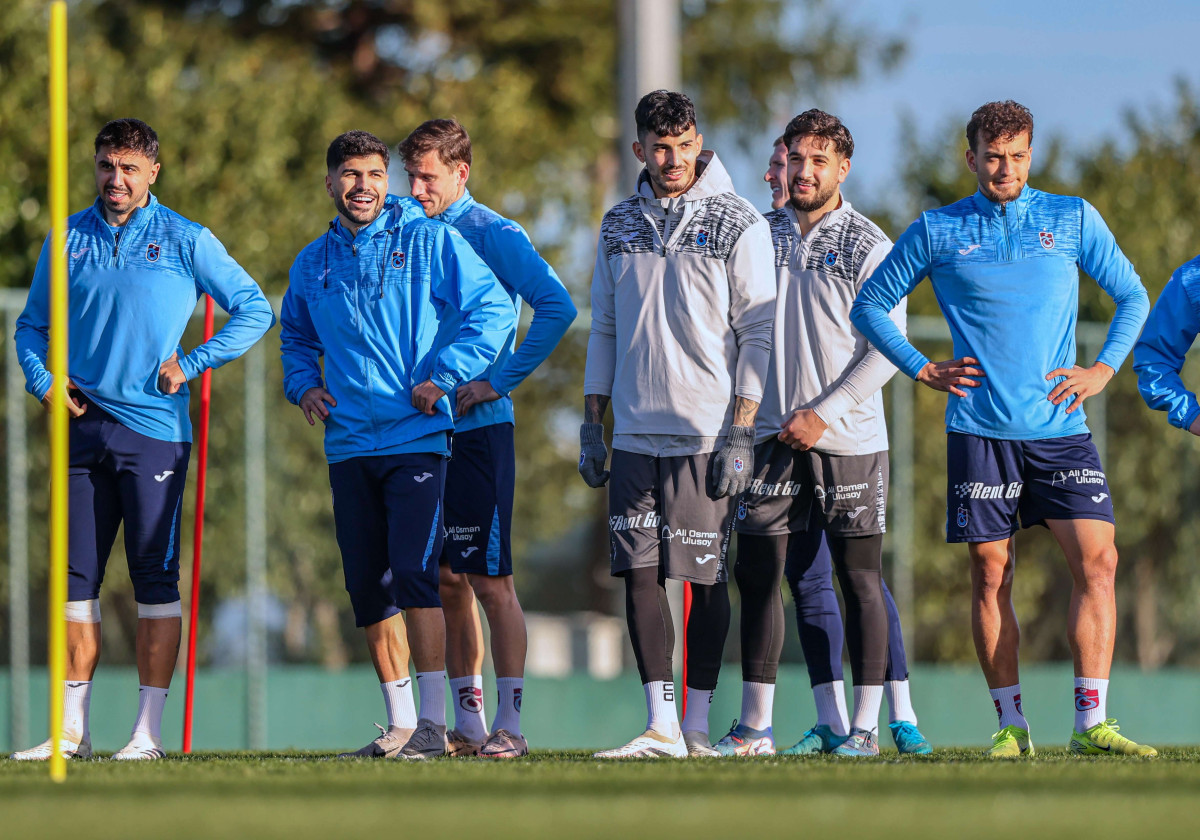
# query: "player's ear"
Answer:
x=971 y=160
x=329 y=186
x=154 y=171
x=699 y=142
x=638 y=151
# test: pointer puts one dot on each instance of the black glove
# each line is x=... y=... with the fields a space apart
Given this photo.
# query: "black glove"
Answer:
x=592 y=454
x=733 y=467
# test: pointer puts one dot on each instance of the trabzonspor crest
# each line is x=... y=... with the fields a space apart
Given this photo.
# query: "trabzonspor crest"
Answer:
x=153 y=251
x=831 y=257
x=1047 y=239
x=397 y=259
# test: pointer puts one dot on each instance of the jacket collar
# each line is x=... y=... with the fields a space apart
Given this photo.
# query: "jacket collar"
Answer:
x=456 y=210
x=138 y=220
x=991 y=209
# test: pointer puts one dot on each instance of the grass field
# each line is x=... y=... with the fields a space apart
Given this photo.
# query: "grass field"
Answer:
x=953 y=793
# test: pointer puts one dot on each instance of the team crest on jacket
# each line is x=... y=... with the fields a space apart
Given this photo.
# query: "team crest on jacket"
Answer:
x=152 y=252
x=702 y=238
x=831 y=257
x=397 y=259
x=1047 y=239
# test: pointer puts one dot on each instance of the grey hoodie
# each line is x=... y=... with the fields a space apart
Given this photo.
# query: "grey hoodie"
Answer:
x=683 y=302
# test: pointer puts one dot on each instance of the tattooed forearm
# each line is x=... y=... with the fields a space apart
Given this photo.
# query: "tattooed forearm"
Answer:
x=594 y=406
x=744 y=411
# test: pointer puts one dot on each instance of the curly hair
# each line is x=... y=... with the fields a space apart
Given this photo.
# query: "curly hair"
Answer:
x=999 y=121
x=816 y=123
x=665 y=113
x=355 y=144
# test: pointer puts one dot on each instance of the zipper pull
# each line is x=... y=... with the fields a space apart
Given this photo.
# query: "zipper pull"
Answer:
x=354 y=249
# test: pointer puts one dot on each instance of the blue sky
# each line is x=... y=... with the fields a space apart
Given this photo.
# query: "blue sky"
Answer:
x=1078 y=66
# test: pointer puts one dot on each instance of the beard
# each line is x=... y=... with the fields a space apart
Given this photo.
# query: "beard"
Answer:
x=360 y=215
x=1011 y=193
x=671 y=188
x=815 y=200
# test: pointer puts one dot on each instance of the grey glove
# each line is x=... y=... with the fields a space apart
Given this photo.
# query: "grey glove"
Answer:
x=733 y=466
x=592 y=454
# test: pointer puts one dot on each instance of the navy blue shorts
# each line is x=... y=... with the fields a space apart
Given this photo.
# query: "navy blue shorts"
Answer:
x=990 y=483
x=387 y=510
x=480 y=483
x=115 y=475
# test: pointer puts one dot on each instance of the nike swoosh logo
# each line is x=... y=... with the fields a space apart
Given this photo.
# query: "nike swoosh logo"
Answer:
x=469 y=551
x=705 y=559
x=163 y=477
x=1100 y=498
x=420 y=478
x=968 y=249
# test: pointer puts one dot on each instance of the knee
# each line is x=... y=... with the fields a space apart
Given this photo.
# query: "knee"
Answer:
x=454 y=589
x=1098 y=570
x=992 y=572
x=493 y=592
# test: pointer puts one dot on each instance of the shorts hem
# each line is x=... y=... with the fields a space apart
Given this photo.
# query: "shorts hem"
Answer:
x=1098 y=516
x=982 y=538
x=769 y=532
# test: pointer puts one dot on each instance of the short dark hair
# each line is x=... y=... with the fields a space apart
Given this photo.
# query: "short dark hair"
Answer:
x=355 y=144
x=999 y=121
x=129 y=134
x=778 y=142
x=446 y=137
x=816 y=123
x=665 y=113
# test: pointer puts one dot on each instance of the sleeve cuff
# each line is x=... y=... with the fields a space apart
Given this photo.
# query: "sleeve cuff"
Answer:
x=1192 y=413
x=188 y=365
x=446 y=380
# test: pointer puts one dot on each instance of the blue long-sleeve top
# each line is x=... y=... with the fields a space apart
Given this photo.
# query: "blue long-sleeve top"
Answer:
x=1007 y=279
x=402 y=301
x=1169 y=332
x=508 y=252
x=131 y=292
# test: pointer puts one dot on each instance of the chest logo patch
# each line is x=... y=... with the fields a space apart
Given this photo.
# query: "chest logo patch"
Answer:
x=153 y=251
x=831 y=257
x=397 y=259
x=702 y=238
x=1047 y=239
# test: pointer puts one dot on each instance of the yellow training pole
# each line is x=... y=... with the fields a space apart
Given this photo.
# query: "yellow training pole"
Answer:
x=58 y=368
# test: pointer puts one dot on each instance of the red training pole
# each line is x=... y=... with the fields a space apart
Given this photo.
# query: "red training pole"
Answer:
x=687 y=611
x=198 y=535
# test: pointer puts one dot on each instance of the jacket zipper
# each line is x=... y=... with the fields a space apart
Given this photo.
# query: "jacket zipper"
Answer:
x=117 y=245
x=1007 y=241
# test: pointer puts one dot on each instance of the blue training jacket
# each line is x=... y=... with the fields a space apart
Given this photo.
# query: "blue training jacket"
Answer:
x=131 y=294
x=1158 y=356
x=505 y=247
x=382 y=308
x=1007 y=279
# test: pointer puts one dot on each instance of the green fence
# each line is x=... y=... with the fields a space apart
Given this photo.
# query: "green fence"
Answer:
x=310 y=708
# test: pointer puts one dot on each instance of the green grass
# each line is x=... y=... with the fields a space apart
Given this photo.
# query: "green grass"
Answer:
x=954 y=793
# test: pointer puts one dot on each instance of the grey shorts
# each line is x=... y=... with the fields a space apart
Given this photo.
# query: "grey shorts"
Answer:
x=849 y=490
x=662 y=512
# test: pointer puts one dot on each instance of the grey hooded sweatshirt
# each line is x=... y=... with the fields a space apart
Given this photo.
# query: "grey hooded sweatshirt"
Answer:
x=683 y=303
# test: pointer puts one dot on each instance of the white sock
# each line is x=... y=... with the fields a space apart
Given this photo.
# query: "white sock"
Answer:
x=1091 y=698
x=661 y=714
x=758 y=700
x=77 y=702
x=398 y=698
x=431 y=686
x=508 y=704
x=899 y=701
x=867 y=700
x=699 y=701
x=151 y=701
x=831 y=706
x=469 y=718
x=1008 y=706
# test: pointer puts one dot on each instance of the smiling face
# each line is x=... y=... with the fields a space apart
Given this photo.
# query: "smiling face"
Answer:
x=1001 y=166
x=670 y=161
x=358 y=188
x=123 y=179
x=776 y=176
x=435 y=184
x=815 y=172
